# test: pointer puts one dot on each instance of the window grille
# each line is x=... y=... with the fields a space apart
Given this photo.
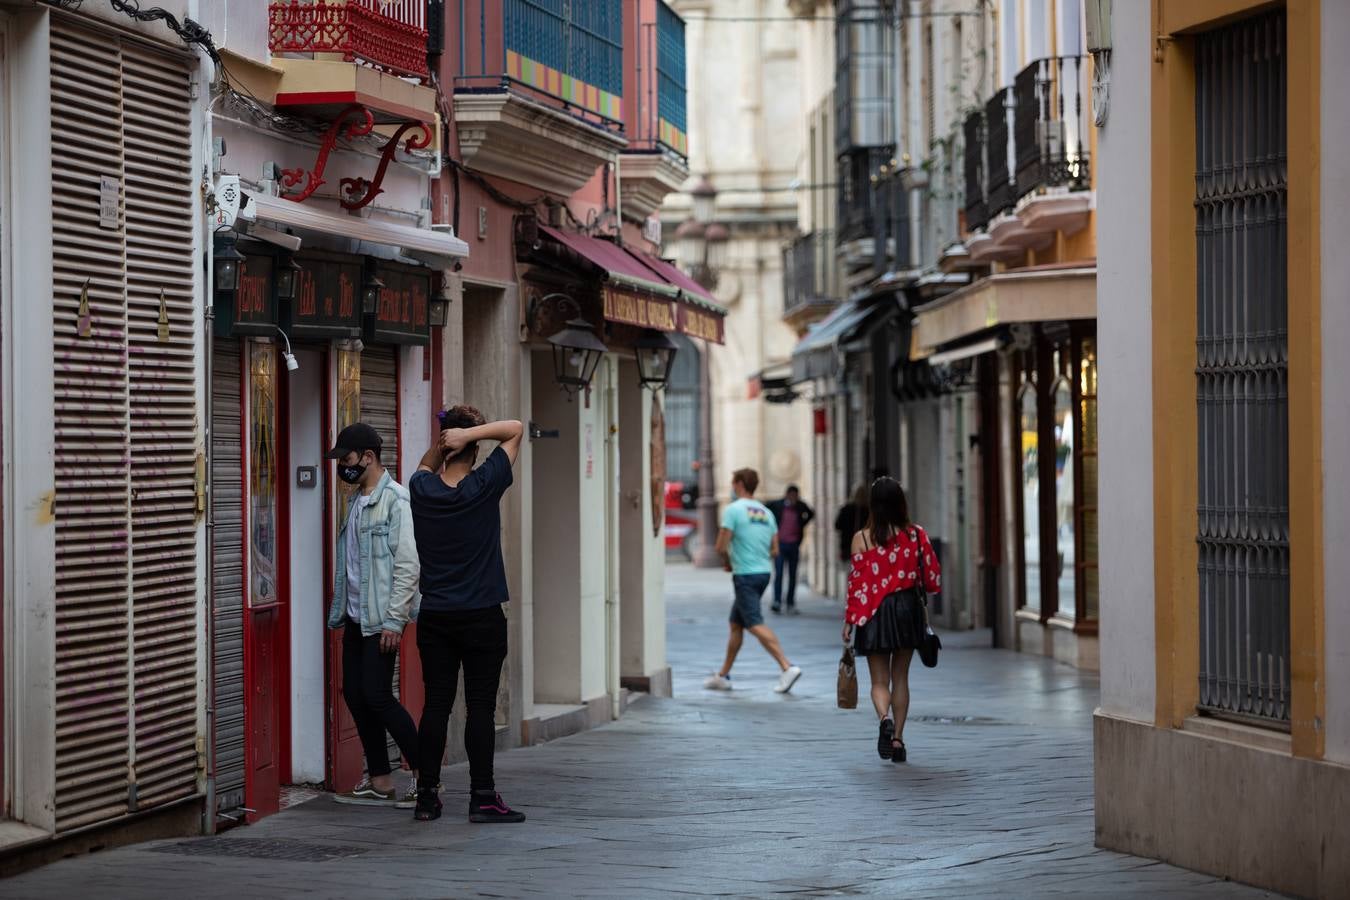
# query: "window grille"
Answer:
x=1242 y=370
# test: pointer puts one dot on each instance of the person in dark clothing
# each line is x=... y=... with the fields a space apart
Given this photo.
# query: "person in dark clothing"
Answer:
x=457 y=517
x=792 y=515
x=851 y=519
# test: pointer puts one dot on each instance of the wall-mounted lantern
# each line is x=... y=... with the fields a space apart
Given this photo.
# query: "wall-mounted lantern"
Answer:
x=438 y=308
x=576 y=349
x=655 y=356
x=370 y=294
x=287 y=275
x=576 y=353
x=226 y=262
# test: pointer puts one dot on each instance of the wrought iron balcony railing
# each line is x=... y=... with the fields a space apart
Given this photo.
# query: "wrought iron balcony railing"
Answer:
x=976 y=206
x=1051 y=125
x=661 y=120
x=571 y=53
x=1000 y=191
x=810 y=272
x=390 y=35
x=857 y=212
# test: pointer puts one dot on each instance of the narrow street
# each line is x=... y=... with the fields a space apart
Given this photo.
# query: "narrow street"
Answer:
x=747 y=794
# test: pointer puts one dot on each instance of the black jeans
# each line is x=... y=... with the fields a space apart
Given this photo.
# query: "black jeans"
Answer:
x=476 y=640
x=789 y=555
x=368 y=688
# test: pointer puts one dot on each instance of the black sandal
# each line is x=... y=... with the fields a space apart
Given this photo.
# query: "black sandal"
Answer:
x=898 y=753
x=428 y=806
x=884 y=738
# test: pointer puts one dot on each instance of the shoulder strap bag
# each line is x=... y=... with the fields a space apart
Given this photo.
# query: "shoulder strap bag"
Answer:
x=930 y=643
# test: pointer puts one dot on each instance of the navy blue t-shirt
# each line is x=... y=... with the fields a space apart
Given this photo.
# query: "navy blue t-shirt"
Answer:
x=459 y=536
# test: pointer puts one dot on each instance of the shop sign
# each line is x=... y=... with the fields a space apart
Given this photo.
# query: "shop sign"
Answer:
x=327 y=303
x=628 y=308
x=252 y=309
x=700 y=324
x=401 y=315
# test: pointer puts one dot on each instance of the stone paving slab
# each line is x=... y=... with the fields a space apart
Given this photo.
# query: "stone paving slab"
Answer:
x=740 y=794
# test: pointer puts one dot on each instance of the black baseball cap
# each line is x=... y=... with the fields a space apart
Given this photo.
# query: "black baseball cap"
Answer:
x=356 y=438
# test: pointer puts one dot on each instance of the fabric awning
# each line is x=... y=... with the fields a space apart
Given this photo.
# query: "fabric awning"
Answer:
x=435 y=248
x=815 y=355
x=644 y=291
x=1036 y=294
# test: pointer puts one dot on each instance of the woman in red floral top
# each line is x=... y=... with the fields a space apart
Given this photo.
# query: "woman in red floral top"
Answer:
x=886 y=613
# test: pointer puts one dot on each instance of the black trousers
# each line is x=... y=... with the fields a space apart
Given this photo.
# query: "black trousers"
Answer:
x=368 y=688
x=447 y=641
x=788 y=555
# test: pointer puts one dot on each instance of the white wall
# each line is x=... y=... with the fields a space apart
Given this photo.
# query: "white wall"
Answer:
x=1124 y=288
x=415 y=411
x=30 y=532
x=1336 y=372
x=309 y=606
x=589 y=434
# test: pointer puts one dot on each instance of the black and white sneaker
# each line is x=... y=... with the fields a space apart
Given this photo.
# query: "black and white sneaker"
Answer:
x=489 y=807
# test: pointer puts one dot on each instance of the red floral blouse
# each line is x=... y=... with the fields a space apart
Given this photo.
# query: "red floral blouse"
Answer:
x=880 y=571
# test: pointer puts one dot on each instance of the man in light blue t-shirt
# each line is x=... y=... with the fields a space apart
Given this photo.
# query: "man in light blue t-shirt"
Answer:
x=749 y=541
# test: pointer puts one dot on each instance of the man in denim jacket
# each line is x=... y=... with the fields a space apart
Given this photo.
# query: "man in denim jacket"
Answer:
x=375 y=596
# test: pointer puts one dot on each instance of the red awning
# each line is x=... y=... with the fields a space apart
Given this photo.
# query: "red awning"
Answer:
x=644 y=291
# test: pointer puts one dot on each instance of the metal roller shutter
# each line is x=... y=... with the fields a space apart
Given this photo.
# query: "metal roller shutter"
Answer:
x=379 y=410
x=379 y=400
x=227 y=571
x=126 y=428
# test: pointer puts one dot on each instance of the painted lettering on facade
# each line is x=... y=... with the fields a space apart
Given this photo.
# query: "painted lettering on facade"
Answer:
x=696 y=323
x=644 y=312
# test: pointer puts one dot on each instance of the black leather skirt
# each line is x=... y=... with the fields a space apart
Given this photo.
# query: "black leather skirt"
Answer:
x=898 y=625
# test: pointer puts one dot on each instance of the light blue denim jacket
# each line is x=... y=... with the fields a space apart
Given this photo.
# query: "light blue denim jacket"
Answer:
x=389 y=564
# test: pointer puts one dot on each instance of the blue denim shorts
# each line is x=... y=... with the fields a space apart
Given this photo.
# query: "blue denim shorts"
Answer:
x=749 y=590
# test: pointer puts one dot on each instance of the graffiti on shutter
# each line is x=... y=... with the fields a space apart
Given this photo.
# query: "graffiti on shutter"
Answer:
x=126 y=431
x=227 y=571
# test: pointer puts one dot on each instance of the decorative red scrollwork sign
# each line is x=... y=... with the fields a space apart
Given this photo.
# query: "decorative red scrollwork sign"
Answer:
x=357 y=192
x=355 y=121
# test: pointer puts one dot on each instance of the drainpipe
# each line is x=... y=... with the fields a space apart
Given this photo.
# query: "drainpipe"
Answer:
x=613 y=572
x=208 y=320
x=618 y=195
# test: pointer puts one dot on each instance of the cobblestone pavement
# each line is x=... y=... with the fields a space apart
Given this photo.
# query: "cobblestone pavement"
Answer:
x=745 y=794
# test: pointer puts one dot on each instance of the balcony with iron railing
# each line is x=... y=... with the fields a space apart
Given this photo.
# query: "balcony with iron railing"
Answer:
x=857 y=213
x=1026 y=162
x=387 y=35
x=1000 y=190
x=539 y=88
x=811 y=282
x=973 y=167
x=654 y=164
x=1050 y=129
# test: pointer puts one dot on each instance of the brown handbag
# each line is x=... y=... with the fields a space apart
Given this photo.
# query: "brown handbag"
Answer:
x=848 y=680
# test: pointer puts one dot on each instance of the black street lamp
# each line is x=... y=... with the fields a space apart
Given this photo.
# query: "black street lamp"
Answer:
x=576 y=353
x=655 y=356
x=226 y=262
x=370 y=295
x=288 y=277
x=438 y=308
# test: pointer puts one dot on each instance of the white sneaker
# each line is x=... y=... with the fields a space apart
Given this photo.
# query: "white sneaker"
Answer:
x=788 y=679
x=717 y=682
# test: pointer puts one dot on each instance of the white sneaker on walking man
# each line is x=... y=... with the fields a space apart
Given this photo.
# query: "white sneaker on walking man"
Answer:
x=748 y=541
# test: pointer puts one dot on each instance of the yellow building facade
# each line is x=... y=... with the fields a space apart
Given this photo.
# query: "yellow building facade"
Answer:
x=1224 y=732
